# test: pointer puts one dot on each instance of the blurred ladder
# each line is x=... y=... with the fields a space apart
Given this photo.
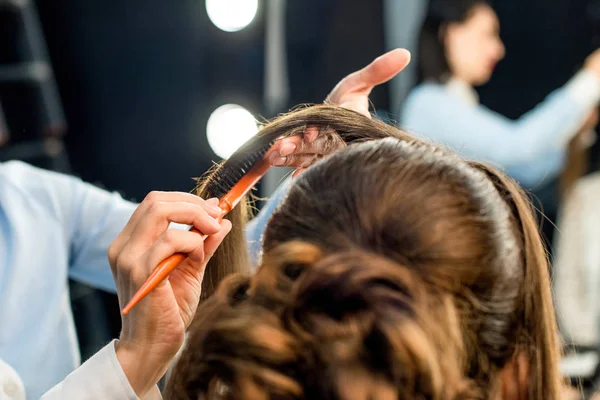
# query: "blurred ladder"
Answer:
x=30 y=106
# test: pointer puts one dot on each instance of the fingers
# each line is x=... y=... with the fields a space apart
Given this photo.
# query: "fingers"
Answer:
x=158 y=217
x=192 y=269
x=297 y=151
x=311 y=133
x=295 y=160
x=301 y=143
x=214 y=241
x=198 y=248
x=384 y=68
x=169 y=197
x=170 y=242
x=381 y=70
x=158 y=209
x=298 y=172
x=153 y=198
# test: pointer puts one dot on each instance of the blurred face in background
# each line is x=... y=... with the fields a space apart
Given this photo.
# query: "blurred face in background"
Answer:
x=473 y=47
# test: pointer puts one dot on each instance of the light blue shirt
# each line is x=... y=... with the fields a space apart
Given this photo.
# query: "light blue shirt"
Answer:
x=530 y=148
x=52 y=227
x=256 y=227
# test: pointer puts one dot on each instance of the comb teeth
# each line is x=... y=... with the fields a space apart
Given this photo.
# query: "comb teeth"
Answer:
x=237 y=166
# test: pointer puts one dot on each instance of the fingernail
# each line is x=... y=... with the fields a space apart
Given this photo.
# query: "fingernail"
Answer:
x=287 y=149
x=273 y=156
x=212 y=205
x=216 y=225
x=311 y=135
x=279 y=161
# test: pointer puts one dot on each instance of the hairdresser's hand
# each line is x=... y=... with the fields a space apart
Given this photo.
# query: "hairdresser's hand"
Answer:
x=592 y=63
x=153 y=331
x=352 y=93
x=587 y=135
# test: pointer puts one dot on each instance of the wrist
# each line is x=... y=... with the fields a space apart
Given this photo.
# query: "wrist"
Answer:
x=592 y=70
x=142 y=367
x=584 y=88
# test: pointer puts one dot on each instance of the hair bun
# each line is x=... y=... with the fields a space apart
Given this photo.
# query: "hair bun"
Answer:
x=359 y=320
x=345 y=284
x=364 y=317
x=336 y=285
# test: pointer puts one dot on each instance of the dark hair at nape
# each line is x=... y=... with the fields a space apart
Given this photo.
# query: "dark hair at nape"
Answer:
x=432 y=63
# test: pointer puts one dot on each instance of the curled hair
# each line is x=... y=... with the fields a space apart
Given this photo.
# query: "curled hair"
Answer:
x=309 y=326
x=393 y=269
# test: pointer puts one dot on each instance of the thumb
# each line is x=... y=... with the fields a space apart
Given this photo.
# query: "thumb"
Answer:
x=384 y=68
x=381 y=70
x=212 y=242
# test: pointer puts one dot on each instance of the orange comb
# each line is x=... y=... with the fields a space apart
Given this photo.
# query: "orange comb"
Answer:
x=226 y=203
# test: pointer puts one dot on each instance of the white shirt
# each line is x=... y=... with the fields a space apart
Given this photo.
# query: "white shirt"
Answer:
x=100 y=377
x=577 y=263
x=52 y=227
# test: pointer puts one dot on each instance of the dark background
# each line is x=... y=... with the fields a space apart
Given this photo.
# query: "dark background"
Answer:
x=138 y=80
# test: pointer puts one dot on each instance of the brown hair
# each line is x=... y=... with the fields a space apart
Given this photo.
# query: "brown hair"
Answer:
x=393 y=269
x=232 y=255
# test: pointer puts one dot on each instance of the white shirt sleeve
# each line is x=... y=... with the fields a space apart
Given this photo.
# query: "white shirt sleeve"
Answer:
x=584 y=88
x=99 y=378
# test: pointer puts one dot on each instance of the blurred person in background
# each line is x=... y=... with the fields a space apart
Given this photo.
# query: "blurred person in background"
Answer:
x=459 y=47
x=577 y=263
x=54 y=226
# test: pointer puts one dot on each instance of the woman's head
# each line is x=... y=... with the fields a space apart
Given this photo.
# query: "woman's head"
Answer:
x=461 y=228
x=393 y=269
x=459 y=38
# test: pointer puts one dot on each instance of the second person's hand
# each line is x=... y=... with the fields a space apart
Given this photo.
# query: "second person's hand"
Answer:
x=592 y=63
x=352 y=93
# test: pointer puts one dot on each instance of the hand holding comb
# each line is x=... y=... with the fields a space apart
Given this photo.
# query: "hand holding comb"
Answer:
x=248 y=165
x=243 y=170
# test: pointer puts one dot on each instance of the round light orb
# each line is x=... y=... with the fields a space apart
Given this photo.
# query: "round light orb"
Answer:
x=228 y=127
x=231 y=15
